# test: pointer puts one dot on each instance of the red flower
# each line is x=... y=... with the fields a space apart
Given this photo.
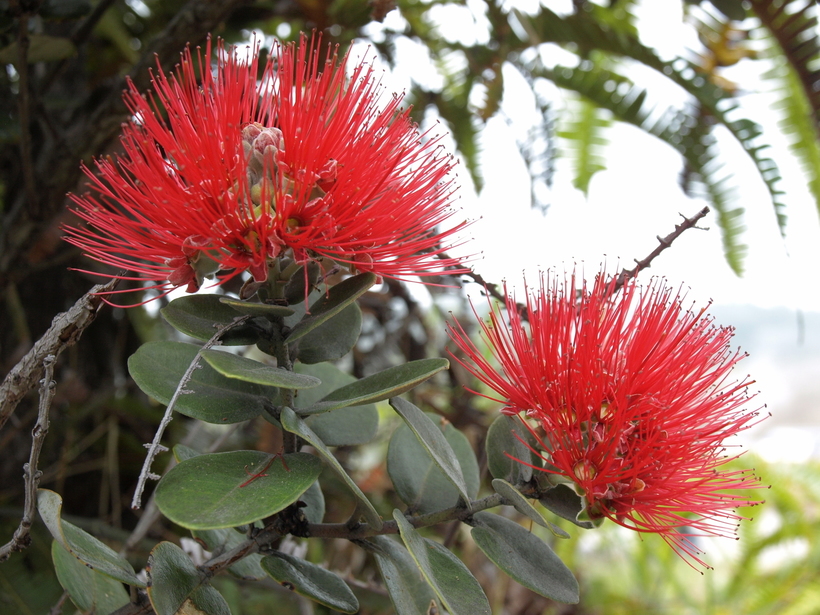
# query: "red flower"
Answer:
x=634 y=396
x=230 y=172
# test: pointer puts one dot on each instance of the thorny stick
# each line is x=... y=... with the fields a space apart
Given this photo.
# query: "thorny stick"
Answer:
x=31 y=474
x=155 y=447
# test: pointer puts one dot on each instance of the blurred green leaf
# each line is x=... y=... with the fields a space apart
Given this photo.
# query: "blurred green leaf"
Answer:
x=42 y=48
x=222 y=540
x=176 y=587
x=507 y=443
x=89 y=590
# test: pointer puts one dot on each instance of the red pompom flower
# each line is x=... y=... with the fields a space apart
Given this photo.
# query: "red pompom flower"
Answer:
x=632 y=399
x=226 y=170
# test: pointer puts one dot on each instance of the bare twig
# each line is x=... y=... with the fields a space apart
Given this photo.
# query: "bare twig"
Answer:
x=31 y=474
x=24 y=108
x=66 y=329
x=663 y=243
x=155 y=447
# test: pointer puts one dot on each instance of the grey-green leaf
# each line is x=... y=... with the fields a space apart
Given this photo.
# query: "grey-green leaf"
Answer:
x=334 y=301
x=235 y=488
x=383 y=385
x=88 y=589
x=291 y=422
x=176 y=586
x=565 y=503
x=525 y=557
x=342 y=427
x=248 y=370
x=311 y=581
x=157 y=368
x=82 y=545
x=450 y=579
x=418 y=480
x=409 y=591
x=507 y=441
x=332 y=339
x=522 y=505
x=224 y=539
x=256 y=309
x=199 y=315
x=434 y=442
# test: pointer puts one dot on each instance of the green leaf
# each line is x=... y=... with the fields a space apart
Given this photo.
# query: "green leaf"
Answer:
x=525 y=557
x=506 y=443
x=333 y=339
x=582 y=127
x=565 y=503
x=409 y=591
x=344 y=426
x=89 y=590
x=248 y=370
x=182 y=452
x=224 y=539
x=157 y=368
x=522 y=505
x=434 y=442
x=199 y=315
x=90 y=551
x=314 y=500
x=450 y=579
x=334 y=301
x=176 y=587
x=383 y=385
x=733 y=9
x=292 y=423
x=418 y=480
x=311 y=581
x=42 y=48
x=220 y=490
x=256 y=309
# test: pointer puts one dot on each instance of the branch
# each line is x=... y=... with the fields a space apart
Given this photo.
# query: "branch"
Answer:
x=155 y=447
x=65 y=330
x=24 y=107
x=31 y=475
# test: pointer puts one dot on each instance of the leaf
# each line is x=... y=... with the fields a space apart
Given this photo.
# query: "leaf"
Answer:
x=222 y=540
x=314 y=500
x=219 y=489
x=434 y=442
x=256 y=309
x=450 y=579
x=344 y=426
x=248 y=370
x=42 y=48
x=337 y=298
x=311 y=581
x=506 y=444
x=522 y=505
x=333 y=339
x=292 y=423
x=582 y=128
x=565 y=503
x=157 y=368
x=383 y=385
x=90 y=551
x=525 y=557
x=89 y=590
x=418 y=480
x=199 y=315
x=176 y=587
x=409 y=591
x=182 y=452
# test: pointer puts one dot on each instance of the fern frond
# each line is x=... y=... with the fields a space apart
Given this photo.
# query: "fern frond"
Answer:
x=583 y=134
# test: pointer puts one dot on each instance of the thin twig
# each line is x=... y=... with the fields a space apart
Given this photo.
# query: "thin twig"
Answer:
x=155 y=447
x=65 y=330
x=24 y=108
x=31 y=473
x=663 y=243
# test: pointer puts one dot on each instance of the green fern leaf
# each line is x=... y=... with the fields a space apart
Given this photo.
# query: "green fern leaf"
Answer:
x=584 y=140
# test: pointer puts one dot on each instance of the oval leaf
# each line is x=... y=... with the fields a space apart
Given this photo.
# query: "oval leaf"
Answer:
x=248 y=370
x=565 y=503
x=450 y=579
x=525 y=557
x=434 y=442
x=292 y=423
x=176 y=587
x=522 y=505
x=199 y=315
x=507 y=441
x=311 y=581
x=157 y=368
x=221 y=489
x=88 y=589
x=333 y=339
x=256 y=309
x=331 y=303
x=344 y=426
x=418 y=480
x=409 y=591
x=384 y=385
x=314 y=500
x=82 y=545
x=224 y=539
